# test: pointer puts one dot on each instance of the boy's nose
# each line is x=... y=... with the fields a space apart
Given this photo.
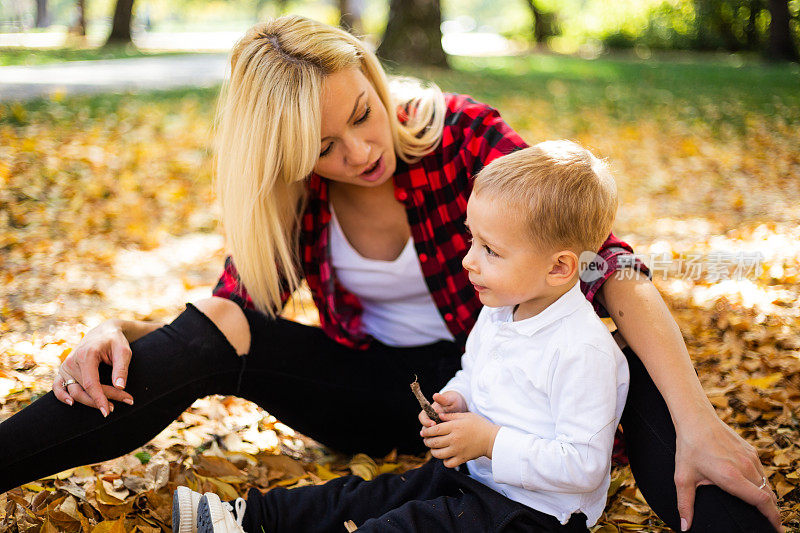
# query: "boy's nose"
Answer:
x=468 y=263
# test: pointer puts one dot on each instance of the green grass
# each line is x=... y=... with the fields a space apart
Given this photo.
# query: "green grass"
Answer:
x=686 y=87
x=40 y=56
x=692 y=88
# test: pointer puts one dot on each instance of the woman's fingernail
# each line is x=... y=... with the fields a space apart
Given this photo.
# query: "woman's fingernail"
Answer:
x=69 y=401
x=120 y=383
x=103 y=412
x=129 y=401
x=111 y=406
x=684 y=525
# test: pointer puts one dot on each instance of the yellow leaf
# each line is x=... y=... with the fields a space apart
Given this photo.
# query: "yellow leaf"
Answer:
x=363 y=466
x=290 y=481
x=35 y=487
x=63 y=475
x=325 y=474
x=783 y=488
x=218 y=467
x=765 y=382
x=386 y=468
x=48 y=527
x=110 y=526
x=65 y=353
x=224 y=490
x=103 y=496
x=241 y=456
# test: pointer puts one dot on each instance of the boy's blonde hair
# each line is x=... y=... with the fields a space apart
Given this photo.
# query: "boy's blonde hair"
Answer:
x=268 y=140
x=565 y=196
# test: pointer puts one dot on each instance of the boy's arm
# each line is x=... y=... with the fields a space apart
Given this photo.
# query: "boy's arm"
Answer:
x=583 y=399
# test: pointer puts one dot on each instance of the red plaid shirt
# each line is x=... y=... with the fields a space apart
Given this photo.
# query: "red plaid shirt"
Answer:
x=434 y=191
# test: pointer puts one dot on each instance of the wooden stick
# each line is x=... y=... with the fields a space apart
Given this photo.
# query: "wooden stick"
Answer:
x=424 y=403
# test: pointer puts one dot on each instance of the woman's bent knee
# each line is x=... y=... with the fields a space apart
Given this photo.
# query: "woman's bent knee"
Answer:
x=230 y=320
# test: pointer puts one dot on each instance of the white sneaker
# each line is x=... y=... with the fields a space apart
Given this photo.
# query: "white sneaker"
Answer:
x=184 y=510
x=216 y=516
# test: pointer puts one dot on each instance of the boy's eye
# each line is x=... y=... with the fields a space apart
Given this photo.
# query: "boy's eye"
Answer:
x=363 y=117
x=490 y=251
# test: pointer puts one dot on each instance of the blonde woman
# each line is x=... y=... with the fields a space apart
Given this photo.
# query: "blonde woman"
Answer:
x=327 y=172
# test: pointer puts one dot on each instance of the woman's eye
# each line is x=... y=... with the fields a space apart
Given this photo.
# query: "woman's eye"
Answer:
x=363 y=117
x=326 y=151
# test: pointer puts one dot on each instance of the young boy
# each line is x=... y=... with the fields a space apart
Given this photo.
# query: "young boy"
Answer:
x=534 y=409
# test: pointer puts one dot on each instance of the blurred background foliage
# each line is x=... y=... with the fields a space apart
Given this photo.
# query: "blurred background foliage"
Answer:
x=586 y=26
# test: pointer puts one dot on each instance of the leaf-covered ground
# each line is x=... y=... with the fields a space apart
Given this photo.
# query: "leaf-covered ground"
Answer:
x=105 y=212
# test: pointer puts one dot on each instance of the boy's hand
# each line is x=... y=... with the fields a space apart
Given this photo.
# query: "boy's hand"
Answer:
x=447 y=402
x=460 y=438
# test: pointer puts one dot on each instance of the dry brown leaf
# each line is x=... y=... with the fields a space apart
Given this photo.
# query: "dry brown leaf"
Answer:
x=363 y=466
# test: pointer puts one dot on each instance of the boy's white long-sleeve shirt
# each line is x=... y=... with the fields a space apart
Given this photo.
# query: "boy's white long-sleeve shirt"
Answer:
x=556 y=384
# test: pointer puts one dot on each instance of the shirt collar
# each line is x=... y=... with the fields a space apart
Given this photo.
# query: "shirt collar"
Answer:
x=566 y=304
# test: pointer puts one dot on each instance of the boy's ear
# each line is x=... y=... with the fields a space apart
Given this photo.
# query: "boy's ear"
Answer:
x=563 y=268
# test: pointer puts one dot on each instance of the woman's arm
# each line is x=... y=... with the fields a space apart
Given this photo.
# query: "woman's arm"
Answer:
x=707 y=450
x=134 y=329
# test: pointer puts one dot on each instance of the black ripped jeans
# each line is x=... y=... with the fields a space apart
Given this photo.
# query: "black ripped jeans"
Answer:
x=350 y=400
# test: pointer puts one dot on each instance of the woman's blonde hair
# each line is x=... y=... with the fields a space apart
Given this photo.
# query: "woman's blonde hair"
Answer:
x=268 y=140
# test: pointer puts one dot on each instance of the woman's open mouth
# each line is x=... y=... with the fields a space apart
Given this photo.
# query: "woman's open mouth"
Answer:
x=375 y=171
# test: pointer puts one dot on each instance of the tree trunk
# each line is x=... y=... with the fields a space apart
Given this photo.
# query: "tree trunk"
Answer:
x=750 y=31
x=80 y=23
x=121 y=25
x=413 y=33
x=538 y=32
x=781 y=46
x=41 y=14
x=350 y=16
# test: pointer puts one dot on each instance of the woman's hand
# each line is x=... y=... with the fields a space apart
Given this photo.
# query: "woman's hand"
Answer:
x=713 y=453
x=708 y=451
x=104 y=344
x=446 y=402
x=460 y=437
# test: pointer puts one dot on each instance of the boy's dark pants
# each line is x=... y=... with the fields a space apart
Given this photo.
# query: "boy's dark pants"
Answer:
x=430 y=498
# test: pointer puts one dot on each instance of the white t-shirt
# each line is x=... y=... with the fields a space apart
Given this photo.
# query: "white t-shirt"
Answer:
x=556 y=384
x=398 y=307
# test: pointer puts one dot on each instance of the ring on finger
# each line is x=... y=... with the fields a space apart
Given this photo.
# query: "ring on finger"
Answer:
x=68 y=382
x=763 y=482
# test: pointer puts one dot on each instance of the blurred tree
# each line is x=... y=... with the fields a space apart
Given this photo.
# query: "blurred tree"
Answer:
x=79 y=27
x=121 y=24
x=350 y=16
x=41 y=14
x=754 y=8
x=544 y=24
x=280 y=7
x=414 y=34
x=734 y=25
x=781 y=44
x=715 y=20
